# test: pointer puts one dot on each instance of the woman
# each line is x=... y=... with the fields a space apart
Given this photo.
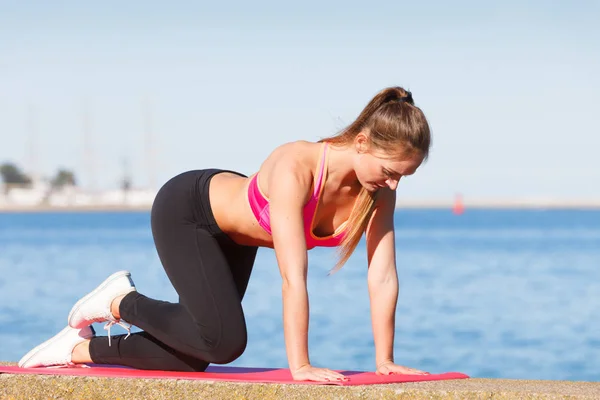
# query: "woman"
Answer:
x=207 y=226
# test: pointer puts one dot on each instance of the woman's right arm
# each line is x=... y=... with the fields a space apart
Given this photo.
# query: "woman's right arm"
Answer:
x=289 y=184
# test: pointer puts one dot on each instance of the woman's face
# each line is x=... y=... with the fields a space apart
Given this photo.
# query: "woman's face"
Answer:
x=376 y=169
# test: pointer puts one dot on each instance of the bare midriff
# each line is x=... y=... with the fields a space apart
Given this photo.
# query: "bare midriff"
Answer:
x=228 y=195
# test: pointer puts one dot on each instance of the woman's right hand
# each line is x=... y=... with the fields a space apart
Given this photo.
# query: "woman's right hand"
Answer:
x=310 y=373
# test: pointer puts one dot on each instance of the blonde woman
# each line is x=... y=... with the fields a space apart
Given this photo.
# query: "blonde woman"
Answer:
x=208 y=224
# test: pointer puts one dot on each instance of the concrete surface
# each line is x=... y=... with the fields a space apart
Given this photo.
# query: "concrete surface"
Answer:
x=66 y=387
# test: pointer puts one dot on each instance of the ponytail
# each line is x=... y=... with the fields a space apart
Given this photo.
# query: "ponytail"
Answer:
x=391 y=118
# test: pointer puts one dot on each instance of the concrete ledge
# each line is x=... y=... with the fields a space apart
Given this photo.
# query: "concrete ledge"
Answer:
x=66 y=387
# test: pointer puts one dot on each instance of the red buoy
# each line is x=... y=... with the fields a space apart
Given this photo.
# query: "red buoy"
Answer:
x=459 y=206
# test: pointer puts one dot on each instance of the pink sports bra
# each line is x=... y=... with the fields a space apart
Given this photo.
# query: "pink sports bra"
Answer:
x=260 y=207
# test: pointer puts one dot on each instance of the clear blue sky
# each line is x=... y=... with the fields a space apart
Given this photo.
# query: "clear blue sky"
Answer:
x=511 y=89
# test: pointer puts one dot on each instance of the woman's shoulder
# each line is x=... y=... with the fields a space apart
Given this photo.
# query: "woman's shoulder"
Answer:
x=297 y=158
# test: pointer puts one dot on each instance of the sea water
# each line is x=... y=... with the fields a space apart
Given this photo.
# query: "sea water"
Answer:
x=490 y=293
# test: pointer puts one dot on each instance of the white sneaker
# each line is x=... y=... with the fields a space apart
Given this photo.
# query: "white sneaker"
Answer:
x=57 y=350
x=95 y=306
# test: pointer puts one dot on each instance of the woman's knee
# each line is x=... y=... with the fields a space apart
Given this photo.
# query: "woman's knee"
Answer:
x=228 y=349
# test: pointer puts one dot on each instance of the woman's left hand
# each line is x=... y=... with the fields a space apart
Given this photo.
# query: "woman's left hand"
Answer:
x=391 y=368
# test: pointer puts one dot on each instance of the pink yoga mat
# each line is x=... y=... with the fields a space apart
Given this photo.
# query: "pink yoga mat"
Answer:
x=231 y=374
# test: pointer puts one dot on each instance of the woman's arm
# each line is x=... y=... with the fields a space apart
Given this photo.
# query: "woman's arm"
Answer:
x=382 y=276
x=289 y=185
x=383 y=283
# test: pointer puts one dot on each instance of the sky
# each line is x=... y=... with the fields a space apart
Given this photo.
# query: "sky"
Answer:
x=511 y=90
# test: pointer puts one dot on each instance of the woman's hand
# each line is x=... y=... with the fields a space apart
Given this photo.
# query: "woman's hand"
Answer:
x=310 y=373
x=389 y=368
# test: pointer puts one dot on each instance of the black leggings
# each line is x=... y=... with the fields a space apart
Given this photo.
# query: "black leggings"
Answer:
x=210 y=273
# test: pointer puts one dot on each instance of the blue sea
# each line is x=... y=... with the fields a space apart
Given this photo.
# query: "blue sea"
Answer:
x=490 y=293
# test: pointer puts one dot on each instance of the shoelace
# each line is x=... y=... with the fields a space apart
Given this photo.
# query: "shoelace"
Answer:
x=124 y=325
x=69 y=364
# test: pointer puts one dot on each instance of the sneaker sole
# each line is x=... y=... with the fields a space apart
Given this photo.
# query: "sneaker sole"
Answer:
x=85 y=298
x=46 y=344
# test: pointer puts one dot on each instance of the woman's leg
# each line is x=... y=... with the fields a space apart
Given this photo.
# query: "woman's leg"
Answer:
x=142 y=351
x=209 y=272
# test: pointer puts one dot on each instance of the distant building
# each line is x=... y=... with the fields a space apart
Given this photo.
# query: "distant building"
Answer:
x=41 y=194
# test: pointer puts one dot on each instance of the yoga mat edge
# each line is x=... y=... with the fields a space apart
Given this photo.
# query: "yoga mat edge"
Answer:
x=232 y=374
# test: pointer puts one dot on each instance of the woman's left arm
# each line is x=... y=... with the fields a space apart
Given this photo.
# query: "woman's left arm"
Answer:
x=383 y=282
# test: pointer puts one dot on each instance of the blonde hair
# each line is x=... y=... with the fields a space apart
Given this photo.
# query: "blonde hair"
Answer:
x=394 y=123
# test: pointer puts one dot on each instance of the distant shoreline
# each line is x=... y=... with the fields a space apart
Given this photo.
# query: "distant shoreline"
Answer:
x=68 y=209
x=505 y=204
x=412 y=204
